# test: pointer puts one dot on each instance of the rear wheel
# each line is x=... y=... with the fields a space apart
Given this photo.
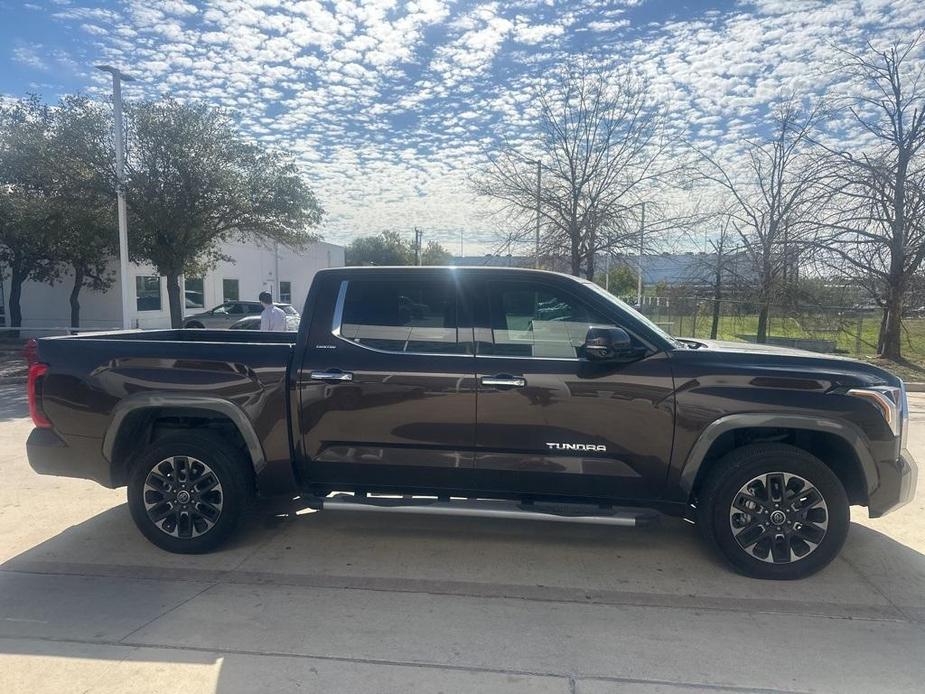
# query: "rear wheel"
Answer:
x=774 y=511
x=187 y=492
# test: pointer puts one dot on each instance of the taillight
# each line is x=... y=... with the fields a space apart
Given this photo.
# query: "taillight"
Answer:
x=37 y=372
x=30 y=351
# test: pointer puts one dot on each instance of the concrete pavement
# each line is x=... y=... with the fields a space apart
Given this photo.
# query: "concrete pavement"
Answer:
x=328 y=602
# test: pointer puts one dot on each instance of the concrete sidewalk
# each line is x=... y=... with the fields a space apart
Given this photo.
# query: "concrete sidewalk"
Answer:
x=326 y=602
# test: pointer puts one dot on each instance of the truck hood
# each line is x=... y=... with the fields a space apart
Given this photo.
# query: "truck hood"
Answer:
x=755 y=348
x=748 y=358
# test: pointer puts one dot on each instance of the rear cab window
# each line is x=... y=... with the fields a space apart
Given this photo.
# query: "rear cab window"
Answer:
x=400 y=315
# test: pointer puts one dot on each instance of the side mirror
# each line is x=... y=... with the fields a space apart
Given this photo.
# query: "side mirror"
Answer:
x=609 y=344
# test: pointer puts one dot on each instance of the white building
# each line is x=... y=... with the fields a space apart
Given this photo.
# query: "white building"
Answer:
x=252 y=271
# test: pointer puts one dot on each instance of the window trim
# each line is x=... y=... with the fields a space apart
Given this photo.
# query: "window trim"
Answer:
x=337 y=321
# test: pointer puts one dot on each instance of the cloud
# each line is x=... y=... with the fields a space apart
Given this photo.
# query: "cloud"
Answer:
x=389 y=106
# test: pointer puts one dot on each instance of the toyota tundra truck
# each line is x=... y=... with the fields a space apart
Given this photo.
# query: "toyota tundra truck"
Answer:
x=494 y=392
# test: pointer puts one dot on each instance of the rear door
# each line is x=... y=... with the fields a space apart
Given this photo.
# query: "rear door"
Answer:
x=388 y=383
x=551 y=423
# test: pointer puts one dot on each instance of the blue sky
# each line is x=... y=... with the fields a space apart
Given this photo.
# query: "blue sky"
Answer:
x=389 y=106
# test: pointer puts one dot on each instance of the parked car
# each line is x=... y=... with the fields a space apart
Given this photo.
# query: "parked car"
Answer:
x=230 y=312
x=504 y=393
x=253 y=323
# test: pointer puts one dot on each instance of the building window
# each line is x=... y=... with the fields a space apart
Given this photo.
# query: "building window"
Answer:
x=285 y=292
x=193 y=292
x=230 y=290
x=148 y=293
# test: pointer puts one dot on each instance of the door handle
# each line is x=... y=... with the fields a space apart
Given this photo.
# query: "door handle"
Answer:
x=331 y=376
x=504 y=380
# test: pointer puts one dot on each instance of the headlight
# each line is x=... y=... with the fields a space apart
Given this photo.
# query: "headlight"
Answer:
x=891 y=402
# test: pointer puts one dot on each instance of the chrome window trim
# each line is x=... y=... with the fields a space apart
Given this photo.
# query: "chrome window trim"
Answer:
x=338 y=318
x=338 y=321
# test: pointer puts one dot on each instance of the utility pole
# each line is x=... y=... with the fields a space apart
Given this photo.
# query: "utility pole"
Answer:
x=117 y=78
x=642 y=229
x=539 y=180
x=418 y=234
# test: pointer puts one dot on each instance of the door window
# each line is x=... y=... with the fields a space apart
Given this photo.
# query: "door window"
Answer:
x=235 y=310
x=533 y=320
x=402 y=316
x=285 y=292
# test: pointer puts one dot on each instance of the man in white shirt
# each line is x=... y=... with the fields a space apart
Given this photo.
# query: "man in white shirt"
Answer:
x=272 y=319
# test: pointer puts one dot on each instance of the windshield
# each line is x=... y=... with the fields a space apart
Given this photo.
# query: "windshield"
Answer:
x=638 y=315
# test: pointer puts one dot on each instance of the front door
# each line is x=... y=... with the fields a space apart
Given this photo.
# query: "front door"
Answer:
x=387 y=384
x=550 y=423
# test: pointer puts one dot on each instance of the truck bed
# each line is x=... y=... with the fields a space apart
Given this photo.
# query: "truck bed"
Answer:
x=95 y=380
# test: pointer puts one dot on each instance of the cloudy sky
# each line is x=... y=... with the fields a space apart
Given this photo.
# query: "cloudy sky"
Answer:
x=390 y=105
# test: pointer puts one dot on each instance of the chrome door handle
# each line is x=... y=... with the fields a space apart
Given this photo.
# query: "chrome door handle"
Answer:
x=331 y=376
x=503 y=380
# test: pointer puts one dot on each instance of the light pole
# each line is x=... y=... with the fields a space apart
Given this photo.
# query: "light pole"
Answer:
x=642 y=229
x=539 y=183
x=117 y=79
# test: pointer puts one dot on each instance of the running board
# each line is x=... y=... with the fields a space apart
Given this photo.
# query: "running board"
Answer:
x=492 y=508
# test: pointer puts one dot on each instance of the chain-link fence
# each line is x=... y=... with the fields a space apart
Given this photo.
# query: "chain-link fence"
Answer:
x=832 y=329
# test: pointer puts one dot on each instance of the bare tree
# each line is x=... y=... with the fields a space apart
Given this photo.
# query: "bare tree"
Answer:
x=773 y=196
x=876 y=228
x=598 y=141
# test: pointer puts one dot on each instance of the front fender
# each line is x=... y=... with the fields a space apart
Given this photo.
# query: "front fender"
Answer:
x=848 y=432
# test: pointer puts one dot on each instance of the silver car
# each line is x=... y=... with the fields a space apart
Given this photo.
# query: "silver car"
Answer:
x=230 y=312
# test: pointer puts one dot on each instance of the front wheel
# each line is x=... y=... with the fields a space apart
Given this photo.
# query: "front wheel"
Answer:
x=774 y=511
x=188 y=491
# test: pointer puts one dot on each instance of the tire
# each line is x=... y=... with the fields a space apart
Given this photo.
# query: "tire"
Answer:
x=781 y=479
x=217 y=481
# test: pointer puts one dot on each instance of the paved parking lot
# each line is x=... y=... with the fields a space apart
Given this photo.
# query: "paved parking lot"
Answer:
x=365 y=602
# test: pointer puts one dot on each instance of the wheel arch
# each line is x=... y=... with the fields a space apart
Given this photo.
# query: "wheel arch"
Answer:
x=135 y=420
x=839 y=444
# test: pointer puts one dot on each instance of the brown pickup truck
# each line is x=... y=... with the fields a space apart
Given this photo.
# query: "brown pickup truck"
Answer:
x=491 y=392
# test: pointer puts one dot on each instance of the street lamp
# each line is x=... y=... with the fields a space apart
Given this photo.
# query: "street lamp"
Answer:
x=117 y=78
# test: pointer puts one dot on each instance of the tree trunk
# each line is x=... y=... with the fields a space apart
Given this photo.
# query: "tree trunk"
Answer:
x=173 y=299
x=576 y=256
x=763 y=311
x=75 y=297
x=16 y=282
x=714 y=328
x=891 y=332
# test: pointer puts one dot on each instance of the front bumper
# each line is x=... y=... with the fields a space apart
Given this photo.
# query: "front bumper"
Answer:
x=75 y=456
x=898 y=481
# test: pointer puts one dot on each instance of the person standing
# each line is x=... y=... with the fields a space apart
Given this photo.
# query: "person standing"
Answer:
x=272 y=319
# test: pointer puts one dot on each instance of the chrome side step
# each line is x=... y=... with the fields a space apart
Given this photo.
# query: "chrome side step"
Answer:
x=492 y=508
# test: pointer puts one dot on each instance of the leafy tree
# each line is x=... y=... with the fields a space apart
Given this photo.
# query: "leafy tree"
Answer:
x=622 y=280
x=385 y=249
x=27 y=246
x=435 y=254
x=193 y=183
x=81 y=179
x=388 y=248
